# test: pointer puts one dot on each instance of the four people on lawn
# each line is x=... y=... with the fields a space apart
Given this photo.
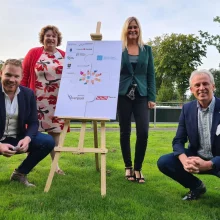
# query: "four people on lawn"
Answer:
x=19 y=123
x=199 y=124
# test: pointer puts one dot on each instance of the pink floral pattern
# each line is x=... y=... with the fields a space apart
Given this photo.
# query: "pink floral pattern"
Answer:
x=48 y=71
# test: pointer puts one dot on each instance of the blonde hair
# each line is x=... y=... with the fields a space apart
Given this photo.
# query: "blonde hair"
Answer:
x=125 y=31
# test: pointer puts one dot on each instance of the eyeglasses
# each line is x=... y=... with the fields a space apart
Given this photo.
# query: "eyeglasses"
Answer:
x=130 y=27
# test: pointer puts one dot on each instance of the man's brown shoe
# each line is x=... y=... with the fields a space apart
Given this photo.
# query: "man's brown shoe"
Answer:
x=22 y=178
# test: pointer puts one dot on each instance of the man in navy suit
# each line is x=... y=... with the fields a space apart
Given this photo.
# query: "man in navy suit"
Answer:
x=19 y=122
x=199 y=123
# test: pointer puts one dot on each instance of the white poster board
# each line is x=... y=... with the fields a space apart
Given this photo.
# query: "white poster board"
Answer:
x=90 y=80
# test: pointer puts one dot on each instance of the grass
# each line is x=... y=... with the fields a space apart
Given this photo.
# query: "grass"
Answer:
x=77 y=194
x=116 y=125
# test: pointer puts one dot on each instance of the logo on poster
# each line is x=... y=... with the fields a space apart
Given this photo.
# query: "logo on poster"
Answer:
x=90 y=77
x=101 y=57
x=70 y=58
x=79 y=97
x=84 y=49
x=86 y=44
x=102 y=98
x=83 y=65
x=80 y=54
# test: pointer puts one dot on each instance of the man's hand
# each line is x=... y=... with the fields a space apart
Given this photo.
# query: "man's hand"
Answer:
x=189 y=164
x=24 y=144
x=194 y=164
x=7 y=150
x=201 y=164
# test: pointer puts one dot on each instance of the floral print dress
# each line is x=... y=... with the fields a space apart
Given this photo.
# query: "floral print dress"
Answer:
x=48 y=71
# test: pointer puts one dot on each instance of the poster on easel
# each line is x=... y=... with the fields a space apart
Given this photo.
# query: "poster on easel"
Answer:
x=90 y=80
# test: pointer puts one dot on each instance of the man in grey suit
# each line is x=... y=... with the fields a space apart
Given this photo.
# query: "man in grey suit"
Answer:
x=199 y=123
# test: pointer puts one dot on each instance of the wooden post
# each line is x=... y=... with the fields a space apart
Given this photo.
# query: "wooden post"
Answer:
x=103 y=160
x=95 y=129
x=57 y=155
x=97 y=35
x=80 y=149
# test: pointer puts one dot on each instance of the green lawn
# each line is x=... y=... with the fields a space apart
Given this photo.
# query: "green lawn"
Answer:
x=77 y=194
x=116 y=125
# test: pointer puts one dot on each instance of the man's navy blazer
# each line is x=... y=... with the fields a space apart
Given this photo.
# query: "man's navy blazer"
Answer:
x=188 y=131
x=27 y=113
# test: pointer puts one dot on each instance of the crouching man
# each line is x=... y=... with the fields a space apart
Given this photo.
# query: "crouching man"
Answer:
x=19 y=122
x=199 y=124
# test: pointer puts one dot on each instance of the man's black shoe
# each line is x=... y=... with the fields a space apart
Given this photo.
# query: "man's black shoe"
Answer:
x=195 y=193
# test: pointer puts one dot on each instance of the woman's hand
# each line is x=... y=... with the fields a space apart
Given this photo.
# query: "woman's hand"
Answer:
x=151 y=104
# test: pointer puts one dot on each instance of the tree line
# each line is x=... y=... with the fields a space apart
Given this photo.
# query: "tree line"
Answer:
x=175 y=57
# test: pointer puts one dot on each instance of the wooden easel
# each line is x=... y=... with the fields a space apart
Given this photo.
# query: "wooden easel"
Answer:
x=80 y=149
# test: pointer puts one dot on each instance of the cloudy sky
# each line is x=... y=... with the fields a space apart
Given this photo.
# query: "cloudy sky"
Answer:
x=21 y=21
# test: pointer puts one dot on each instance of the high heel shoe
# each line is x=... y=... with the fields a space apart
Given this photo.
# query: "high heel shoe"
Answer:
x=129 y=174
x=140 y=179
x=59 y=171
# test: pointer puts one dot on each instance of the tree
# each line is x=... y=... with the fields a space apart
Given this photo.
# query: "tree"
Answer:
x=175 y=57
x=213 y=40
x=216 y=75
x=167 y=93
x=1 y=63
x=164 y=86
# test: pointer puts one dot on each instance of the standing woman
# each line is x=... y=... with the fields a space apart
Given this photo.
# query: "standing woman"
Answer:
x=137 y=94
x=42 y=69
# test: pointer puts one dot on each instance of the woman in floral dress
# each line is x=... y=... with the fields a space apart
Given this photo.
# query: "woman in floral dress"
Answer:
x=42 y=69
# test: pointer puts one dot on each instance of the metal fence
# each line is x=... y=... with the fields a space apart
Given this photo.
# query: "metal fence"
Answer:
x=162 y=113
x=165 y=114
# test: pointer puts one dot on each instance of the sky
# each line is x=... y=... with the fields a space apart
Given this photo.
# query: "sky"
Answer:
x=22 y=20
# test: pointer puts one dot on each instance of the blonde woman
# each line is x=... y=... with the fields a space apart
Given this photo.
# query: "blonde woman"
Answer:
x=137 y=95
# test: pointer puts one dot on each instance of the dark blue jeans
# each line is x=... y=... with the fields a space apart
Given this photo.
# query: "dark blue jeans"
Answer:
x=40 y=146
x=171 y=166
x=139 y=108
